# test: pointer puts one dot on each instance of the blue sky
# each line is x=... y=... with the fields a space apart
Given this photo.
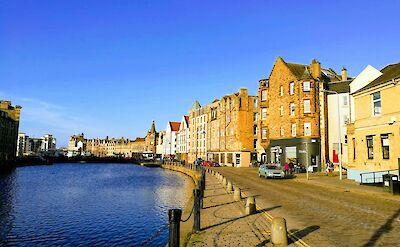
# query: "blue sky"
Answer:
x=110 y=67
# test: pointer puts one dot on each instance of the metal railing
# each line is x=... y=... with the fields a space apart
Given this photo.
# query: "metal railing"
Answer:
x=376 y=177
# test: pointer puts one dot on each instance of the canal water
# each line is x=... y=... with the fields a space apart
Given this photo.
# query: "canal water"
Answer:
x=89 y=205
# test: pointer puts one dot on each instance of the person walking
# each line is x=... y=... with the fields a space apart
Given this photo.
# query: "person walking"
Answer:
x=286 y=169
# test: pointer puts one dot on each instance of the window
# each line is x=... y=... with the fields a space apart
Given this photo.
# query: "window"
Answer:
x=293 y=130
x=264 y=133
x=255 y=103
x=354 y=148
x=370 y=147
x=385 y=146
x=281 y=91
x=376 y=99
x=291 y=89
x=214 y=114
x=255 y=116
x=255 y=144
x=345 y=100
x=264 y=113
x=307 y=106
x=282 y=131
x=306 y=86
x=307 y=129
x=291 y=109
x=281 y=110
x=255 y=130
x=263 y=95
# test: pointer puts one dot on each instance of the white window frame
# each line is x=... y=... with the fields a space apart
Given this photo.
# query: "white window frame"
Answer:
x=264 y=133
x=294 y=130
x=292 y=109
x=306 y=86
x=263 y=95
x=307 y=129
x=281 y=91
x=263 y=113
x=376 y=101
x=291 y=88
x=282 y=131
x=307 y=107
x=282 y=110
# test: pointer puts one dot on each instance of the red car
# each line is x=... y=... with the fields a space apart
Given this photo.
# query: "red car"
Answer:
x=210 y=163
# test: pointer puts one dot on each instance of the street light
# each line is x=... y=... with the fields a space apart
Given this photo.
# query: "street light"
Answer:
x=339 y=130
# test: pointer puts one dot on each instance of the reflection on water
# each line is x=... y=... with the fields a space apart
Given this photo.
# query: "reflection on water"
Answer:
x=88 y=204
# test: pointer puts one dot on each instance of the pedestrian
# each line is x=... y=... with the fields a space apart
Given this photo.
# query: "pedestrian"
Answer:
x=286 y=168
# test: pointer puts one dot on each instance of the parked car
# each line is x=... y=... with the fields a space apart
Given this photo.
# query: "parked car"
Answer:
x=210 y=163
x=271 y=171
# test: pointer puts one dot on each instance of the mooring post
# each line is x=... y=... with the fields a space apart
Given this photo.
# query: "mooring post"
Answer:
x=250 y=205
x=279 y=232
x=237 y=194
x=174 y=227
x=196 y=210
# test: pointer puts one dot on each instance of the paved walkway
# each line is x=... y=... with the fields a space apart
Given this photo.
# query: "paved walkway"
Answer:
x=325 y=211
x=224 y=223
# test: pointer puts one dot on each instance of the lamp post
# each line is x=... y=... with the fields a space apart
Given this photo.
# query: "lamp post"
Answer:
x=339 y=131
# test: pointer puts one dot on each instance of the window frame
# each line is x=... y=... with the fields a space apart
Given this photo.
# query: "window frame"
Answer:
x=384 y=147
x=309 y=125
x=376 y=101
x=263 y=111
x=264 y=133
x=308 y=88
x=290 y=109
x=264 y=95
x=294 y=131
x=370 y=146
x=309 y=106
x=291 y=88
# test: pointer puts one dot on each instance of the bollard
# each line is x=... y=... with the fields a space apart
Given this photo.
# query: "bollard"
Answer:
x=279 y=232
x=250 y=205
x=229 y=187
x=174 y=216
x=237 y=194
x=196 y=210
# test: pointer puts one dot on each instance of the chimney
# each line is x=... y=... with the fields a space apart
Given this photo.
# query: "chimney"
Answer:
x=315 y=68
x=243 y=92
x=344 y=74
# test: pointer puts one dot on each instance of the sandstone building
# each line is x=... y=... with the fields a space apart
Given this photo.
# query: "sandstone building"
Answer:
x=9 y=124
x=293 y=113
x=373 y=136
x=198 y=118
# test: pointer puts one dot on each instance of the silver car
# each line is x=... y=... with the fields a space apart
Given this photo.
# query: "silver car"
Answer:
x=270 y=171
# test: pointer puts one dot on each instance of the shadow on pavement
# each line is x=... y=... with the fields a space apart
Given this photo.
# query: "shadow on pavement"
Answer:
x=238 y=218
x=268 y=209
x=218 y=205
x=386 y=228
x=302 y=233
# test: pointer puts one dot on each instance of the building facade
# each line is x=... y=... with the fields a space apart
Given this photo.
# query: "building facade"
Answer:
x=30 y=146
x=197 y=127
x=183 y=139
x=231 y=136
x=170 y=141
x=374 y=136
x=290 y=119
x=9 y=124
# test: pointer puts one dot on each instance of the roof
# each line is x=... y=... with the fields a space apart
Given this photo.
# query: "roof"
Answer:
x=196 y=105
x=389 y=72
x=187 y=120
x=339 y=86
x=174 y=126
x=303 y=71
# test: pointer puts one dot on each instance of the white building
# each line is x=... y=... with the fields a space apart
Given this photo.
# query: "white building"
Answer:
x=183 y=138
x=160 y=144
x=48 y=143
x=35 y=146
x=170 y=139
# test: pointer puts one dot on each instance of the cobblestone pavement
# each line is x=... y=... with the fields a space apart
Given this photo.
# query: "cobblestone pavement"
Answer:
x=325 y=211
x=224 y=223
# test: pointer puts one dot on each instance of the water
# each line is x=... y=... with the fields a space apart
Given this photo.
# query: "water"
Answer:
x=88 y=204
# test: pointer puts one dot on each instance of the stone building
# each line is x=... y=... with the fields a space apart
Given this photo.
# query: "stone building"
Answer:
x=231 y=128
x=373 y=137
x=198 y=118
x=151 y=140
x=292 y=112
x=9 y=124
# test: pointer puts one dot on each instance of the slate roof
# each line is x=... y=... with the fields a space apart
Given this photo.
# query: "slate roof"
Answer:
x=389 y=72
x=340 y=86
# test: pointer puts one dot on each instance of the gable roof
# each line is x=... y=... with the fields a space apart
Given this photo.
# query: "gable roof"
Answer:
x=389 y=72
x=174 y=126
